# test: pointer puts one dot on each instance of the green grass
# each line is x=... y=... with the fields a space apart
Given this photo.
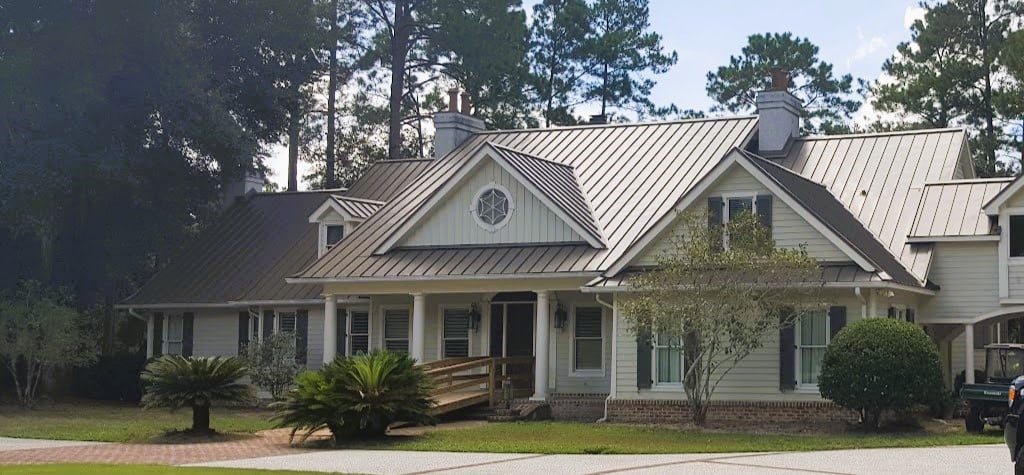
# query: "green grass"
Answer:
x=102 y=469
x=106 y=422
x=575 y=438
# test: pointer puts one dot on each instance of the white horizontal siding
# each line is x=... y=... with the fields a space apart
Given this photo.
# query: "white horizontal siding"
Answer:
x=967 y=275
x=452 y=222
x=215 y=333
x=1016 y=280
x=565 y=379
x=788 y=229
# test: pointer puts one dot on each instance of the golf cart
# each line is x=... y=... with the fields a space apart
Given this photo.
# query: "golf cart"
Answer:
x=986 y=400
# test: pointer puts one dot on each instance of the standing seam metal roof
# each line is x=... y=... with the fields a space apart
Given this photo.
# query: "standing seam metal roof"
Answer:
x=955 y=208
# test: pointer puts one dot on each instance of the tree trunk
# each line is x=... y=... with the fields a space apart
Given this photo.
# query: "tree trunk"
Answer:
x=201 y=418
x=294 y=127
x=699 y=412
x=332 y=86
x=399 y=54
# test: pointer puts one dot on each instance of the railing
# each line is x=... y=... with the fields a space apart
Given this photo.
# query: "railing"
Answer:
x=454 y=374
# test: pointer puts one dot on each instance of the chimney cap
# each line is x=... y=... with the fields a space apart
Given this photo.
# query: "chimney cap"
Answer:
x=598 y=119
x=453 y=99
x=467 y=106
x=780 y=79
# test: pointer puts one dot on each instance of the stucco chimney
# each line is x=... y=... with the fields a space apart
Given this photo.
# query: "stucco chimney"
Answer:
x=453 y=127
x=779 y=114
x=242 y=187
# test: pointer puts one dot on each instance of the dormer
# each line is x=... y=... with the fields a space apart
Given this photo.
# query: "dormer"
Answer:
x=337 y=217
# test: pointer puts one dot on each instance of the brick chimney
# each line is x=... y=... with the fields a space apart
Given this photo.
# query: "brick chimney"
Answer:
x=779 y=114
x=452 y=127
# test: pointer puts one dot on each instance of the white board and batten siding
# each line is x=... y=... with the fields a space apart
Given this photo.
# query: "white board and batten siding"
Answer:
x=452 y=223
x=789 y=229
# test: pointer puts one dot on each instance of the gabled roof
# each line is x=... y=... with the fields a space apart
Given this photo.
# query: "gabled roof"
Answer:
x=246 y=253
x=353 y=209
x=953 y=209
x=991 y=206
x=631 y=174
x=387 y=177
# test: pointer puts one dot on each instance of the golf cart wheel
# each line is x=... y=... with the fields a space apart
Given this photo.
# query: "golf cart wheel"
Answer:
x=973 y=421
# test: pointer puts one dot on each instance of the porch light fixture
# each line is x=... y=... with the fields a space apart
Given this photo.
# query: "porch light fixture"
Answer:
x=474 y=317
x=561 y=316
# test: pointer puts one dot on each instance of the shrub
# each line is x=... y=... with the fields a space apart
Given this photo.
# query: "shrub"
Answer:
x=878 y=364
x=176 y=381
x=272 y=365
x=113 y=378
x=357 y=396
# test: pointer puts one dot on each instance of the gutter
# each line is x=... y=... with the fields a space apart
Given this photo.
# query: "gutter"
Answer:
x=612 y=375
x=132 y=312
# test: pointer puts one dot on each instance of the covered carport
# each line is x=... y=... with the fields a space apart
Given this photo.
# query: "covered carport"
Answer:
x=944 y=331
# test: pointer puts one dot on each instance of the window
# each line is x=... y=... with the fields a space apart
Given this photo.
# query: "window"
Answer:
x=254 y=327
x=456 y=333
x=396 y=330
x=899 y=312
x=358 y=332
x=175 y=332
x=668 y=360
x=812 y=337
x=492 y=207
x=286 y=322
x=588 y=353
x=1017 y=236
x=725 y=209
x=335 y=233
x=738 y=206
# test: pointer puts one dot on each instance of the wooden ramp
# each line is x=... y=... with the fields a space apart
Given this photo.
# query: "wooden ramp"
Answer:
x=465 y=382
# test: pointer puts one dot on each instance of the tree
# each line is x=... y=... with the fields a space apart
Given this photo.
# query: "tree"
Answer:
x=619 y=51
x=880 y=364
x=948 y=73
x=271 y=362
x=718 y=303
x=1011 y=104
x=828 y=100
x=175 y=381
x=558 y=43
x=39 y=333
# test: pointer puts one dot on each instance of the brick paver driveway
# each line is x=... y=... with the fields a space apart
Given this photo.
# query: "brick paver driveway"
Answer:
x=21 y=451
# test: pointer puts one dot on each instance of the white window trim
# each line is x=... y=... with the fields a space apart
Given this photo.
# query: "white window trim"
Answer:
x=348 y=328
x=508 y=216
x=440 y=332
x=655 y=385
x=383 y=324
x=322 y=238
x=166 y=344
x=736 y=195
x=587 y=373
x=802 y=387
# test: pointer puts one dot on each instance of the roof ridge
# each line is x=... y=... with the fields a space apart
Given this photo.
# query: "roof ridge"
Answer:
x=780 y=167
x=297 y=192
x=529 y=155
x=883 y=134
x=626 y=124
x=364 y=200
x=969 y=181
x=401 y=160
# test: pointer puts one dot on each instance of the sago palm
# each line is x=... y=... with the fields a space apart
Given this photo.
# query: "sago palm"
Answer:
x=174 y=382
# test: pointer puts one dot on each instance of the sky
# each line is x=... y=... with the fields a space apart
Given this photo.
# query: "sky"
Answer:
x=855 y=36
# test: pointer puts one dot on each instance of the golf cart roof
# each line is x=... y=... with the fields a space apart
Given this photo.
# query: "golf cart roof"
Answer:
x=1005 y=346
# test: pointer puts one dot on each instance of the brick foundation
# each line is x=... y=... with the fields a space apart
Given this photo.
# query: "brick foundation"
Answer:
x=577 y=407
x=647 y=411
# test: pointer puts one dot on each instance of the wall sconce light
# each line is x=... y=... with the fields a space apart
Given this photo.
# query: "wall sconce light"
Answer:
x=561 y=317
x=474 y=317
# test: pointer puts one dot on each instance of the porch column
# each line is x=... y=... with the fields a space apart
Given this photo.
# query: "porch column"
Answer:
x=330 y=328
x=540 y=377
x=150 y=328
x=969 y=353
x=419 y=326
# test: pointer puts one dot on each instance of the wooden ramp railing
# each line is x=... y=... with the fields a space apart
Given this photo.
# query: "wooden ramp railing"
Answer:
x=464 y=382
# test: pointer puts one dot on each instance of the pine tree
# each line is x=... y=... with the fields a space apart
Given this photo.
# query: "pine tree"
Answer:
x=557 y=53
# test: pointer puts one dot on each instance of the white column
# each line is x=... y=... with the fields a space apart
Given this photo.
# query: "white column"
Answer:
x=969 y=353
x=330 y=328
x=419 y=327
x=540 y=377
x=150 y=328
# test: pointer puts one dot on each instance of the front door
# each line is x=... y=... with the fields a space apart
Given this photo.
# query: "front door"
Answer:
x=511 y=329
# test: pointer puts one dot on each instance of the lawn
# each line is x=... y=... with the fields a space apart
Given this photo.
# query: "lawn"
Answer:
x=106 y=422
x=101 y=469
x=575 y=438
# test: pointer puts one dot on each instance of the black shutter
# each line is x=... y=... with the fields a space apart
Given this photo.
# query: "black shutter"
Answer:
x=187 y=320
x=891 y=312
x=715 y=221
x=912 y=318
x=342 y=316
x=764 y=210
x=158 y=334
x=243 y=330
x=836 y=320
x=268 y=323
x=787 y=357
x=301 y=335
x=643 y=361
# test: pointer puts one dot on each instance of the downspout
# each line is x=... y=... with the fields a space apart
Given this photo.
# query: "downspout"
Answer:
x=132 y=312
x=615 y=334
x=863 y=303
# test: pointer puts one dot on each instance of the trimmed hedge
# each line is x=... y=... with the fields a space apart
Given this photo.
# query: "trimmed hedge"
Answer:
x=880 y=364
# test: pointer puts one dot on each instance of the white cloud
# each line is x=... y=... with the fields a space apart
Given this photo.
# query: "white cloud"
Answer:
x=912 y=14
x=865 y=47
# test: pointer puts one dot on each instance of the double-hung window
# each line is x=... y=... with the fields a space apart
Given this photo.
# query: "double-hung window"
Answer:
x=1017 y=236
x=588 y=340
x=358 y=332
x=812 y=338
x=396 y=330
x=668 y=360
x=175 y=334
x=728 y=208
x=455 y=335
x=255 y=329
